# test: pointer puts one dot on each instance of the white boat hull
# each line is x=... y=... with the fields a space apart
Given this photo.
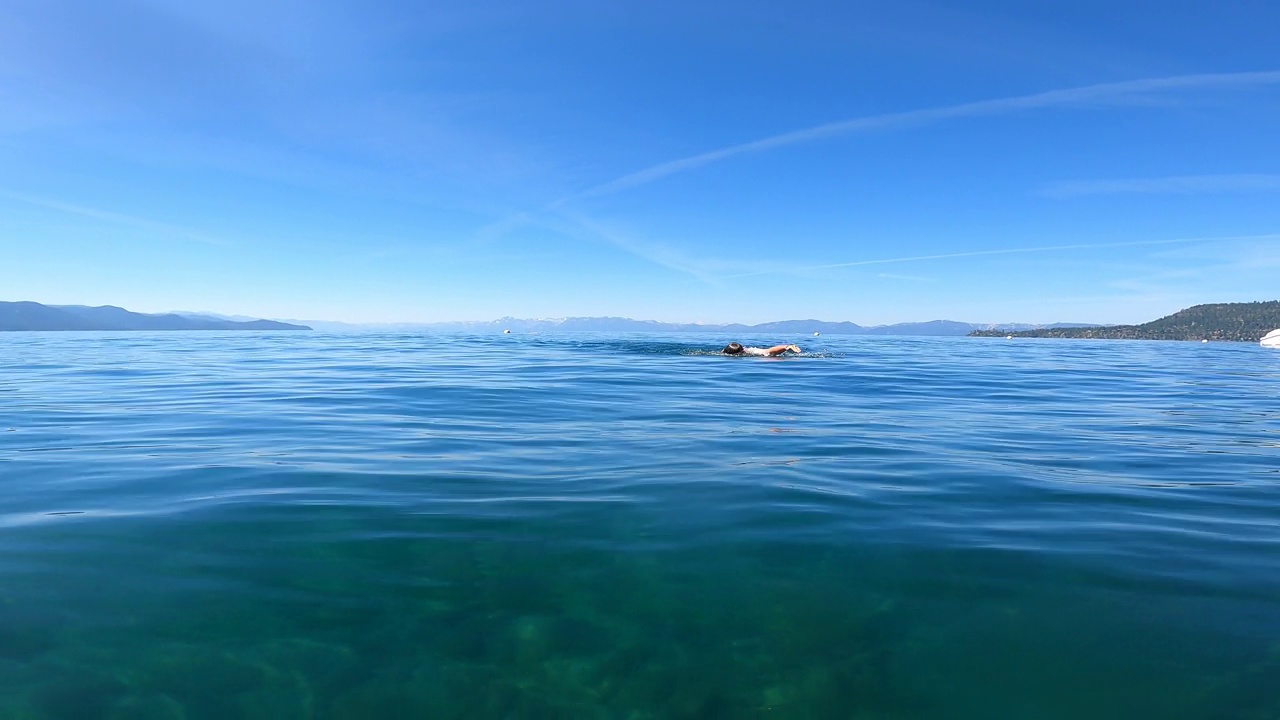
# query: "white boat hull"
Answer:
x=1271 y=339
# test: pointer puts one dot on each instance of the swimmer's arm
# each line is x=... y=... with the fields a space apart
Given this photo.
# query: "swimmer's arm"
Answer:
x=779 y=349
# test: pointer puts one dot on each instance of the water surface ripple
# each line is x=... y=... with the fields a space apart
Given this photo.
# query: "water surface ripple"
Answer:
x=215 y=525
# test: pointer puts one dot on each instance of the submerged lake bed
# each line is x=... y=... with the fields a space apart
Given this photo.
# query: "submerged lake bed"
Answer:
x=213 y=525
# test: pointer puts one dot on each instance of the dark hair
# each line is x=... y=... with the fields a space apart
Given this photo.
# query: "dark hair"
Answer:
x=732 y=348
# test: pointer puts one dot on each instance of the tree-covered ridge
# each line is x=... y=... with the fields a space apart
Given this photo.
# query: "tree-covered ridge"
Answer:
x=1245 y=322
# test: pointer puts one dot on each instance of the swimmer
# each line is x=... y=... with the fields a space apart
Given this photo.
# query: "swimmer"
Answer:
x=734 y=348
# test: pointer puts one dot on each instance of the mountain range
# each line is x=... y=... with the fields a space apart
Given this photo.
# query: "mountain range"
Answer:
x=34 y=316
x=620 y=324
x=781 y=327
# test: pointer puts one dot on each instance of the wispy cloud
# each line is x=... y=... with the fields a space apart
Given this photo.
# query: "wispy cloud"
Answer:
x=496 y=230
x=1158 y=280
x=907 y=278
x=1018 y=251
x=1233 y=255
x=1128 y=92
x=1226 y=270
x=710 y=270
x=1176 y=185
x=1106 y=93
x=171 y=231
x=657 y=253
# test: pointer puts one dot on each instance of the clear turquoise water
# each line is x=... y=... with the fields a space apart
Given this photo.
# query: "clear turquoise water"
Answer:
x=327 y=526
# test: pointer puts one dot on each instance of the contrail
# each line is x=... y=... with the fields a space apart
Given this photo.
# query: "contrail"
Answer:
x=1177 y=185
x=60 y=206
x=1053 y=98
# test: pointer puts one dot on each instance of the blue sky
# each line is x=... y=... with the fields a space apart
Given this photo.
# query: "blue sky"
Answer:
x=683 y=161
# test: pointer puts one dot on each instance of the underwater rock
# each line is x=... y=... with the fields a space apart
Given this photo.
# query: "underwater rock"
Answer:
x=435 y=688
x=286 y=696
x=321 y=663
x=147 y=707
x=80 y=694
x=533 y=636
x=21 y=639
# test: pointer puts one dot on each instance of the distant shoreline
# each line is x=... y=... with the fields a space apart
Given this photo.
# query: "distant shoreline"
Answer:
x=39 y=317
x=1220 y=322
x=35 y=317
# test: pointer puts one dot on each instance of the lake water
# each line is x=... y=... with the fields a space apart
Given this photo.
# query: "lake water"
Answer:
x=287 y=526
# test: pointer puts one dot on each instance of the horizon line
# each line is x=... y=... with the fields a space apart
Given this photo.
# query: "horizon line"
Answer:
x=391 y=323
x=709 y=325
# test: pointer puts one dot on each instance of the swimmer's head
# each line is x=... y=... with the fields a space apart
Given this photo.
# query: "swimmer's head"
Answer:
x=732 y=348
